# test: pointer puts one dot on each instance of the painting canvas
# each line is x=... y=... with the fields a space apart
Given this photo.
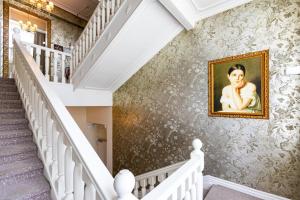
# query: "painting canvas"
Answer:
x=239 y=86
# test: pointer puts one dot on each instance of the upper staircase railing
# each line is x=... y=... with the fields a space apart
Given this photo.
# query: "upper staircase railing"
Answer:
x=73 y=168
x=56 y=65
x=102 y=15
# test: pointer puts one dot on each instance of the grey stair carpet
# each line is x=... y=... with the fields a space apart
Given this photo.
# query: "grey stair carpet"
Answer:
x=218 y=192
x=21 y=171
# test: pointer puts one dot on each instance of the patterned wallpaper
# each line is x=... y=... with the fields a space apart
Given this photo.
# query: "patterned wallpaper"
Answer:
x=164 y=106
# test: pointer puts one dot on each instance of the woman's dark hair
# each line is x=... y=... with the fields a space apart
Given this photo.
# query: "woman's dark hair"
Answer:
x=235 y=67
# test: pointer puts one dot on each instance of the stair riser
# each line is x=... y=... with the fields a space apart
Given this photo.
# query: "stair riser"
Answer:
x=7 y=81
x=14 y=127
x=16 y=157
x=21 y=177
x=13 y=141
x=18 y=115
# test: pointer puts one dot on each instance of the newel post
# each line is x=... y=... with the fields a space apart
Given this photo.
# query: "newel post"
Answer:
x=198 y=155
x=123 y=184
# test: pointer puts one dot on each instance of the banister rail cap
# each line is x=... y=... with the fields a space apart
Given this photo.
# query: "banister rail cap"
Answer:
x=124 y=184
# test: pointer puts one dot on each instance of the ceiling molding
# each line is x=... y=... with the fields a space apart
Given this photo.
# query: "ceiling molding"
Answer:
x=188 y=12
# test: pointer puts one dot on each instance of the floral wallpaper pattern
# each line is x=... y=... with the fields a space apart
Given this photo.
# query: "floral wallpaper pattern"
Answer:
x=164 y=106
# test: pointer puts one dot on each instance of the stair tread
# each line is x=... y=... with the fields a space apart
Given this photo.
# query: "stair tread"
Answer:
x=217 y=192
x=11 y=101
x=11 y=110
x=18 y=167
x=4 y=122
x=17 y=149
x=15 y=133
x=26 y=189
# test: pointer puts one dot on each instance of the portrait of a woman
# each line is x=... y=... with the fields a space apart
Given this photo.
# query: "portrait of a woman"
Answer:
x=240 y=95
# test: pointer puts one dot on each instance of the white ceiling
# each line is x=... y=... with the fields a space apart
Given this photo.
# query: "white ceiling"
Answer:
x=81 y=8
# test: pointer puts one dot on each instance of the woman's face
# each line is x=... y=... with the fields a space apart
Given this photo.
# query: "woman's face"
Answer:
x=236 y=77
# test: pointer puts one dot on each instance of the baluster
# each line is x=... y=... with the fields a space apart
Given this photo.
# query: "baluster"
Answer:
x=161 y=177
x=78 y=182
x=55 y=62
x=91 y=34
x=79 y=51
x=69 y=170
x=103 y=16
x=38 y=56
x=60 y=184
x=107 y=11
x=152 y=181
x=188 y=188
x=40 y=120
x=47 y=57
x=112 y=7
x=44 y=127
x=49 y=139
x=76 y=56
x=63 y=61
x=89 y=192
x=87 y=40
x=136 y=189
x=98 y=21
x=94 y=29
x=83 y=46
x=174 y=195
x=143 y=184
x=54 y=165
x=118 y=3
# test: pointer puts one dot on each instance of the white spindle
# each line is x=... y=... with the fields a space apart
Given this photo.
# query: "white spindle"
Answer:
x=38 y=56
x=112 y=7
x=78 y=182
x=60 y=185
x=63 y=77
x=118 y=3
x=107 y=11
x=103 y=16
x=94 y=29
x=143 y=184
x=69 y=170
x=55 y=62
x=54 y=165
x=44 y=125
x=49 y=133
x=47 y=57
x=98 y=21
x=152 y=181
x=89 y=192
x=136 y=189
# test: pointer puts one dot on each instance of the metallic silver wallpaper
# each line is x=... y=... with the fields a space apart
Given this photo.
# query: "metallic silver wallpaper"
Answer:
x=164 y=106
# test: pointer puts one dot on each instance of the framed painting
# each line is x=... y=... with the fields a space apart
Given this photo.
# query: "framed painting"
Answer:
x=239 y=86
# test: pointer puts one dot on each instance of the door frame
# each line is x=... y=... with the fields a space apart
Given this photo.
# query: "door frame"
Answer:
x=6 y=7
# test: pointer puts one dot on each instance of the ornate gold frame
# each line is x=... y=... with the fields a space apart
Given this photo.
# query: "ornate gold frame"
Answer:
x=264 y=55
x=6 y=7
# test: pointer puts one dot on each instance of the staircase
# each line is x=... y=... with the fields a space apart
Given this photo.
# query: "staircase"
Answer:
x=21 y=171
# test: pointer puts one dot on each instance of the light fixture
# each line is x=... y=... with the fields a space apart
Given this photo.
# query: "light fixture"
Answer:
x=42 y=5
x=28 y=25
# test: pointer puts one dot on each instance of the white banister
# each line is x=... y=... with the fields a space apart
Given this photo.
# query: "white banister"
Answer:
x=63 y=148
x=185 y=183
x=102 y=15
x=53 y=70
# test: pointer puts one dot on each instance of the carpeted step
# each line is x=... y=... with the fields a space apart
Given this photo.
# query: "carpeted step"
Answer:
x=16 y=152
x=14 y=141
x=14 y=172
x=15 y=133
x=7 y=103
x=8 y=87
x=10 y=113
x=9 y=95
x=31 y=189
x=218 y=192
x=7 y=81
x=13 y=124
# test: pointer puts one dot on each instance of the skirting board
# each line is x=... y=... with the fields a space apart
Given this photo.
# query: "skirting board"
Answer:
x=210 y=180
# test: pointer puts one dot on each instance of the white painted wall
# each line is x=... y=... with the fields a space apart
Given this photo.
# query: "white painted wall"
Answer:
x=81 y=97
